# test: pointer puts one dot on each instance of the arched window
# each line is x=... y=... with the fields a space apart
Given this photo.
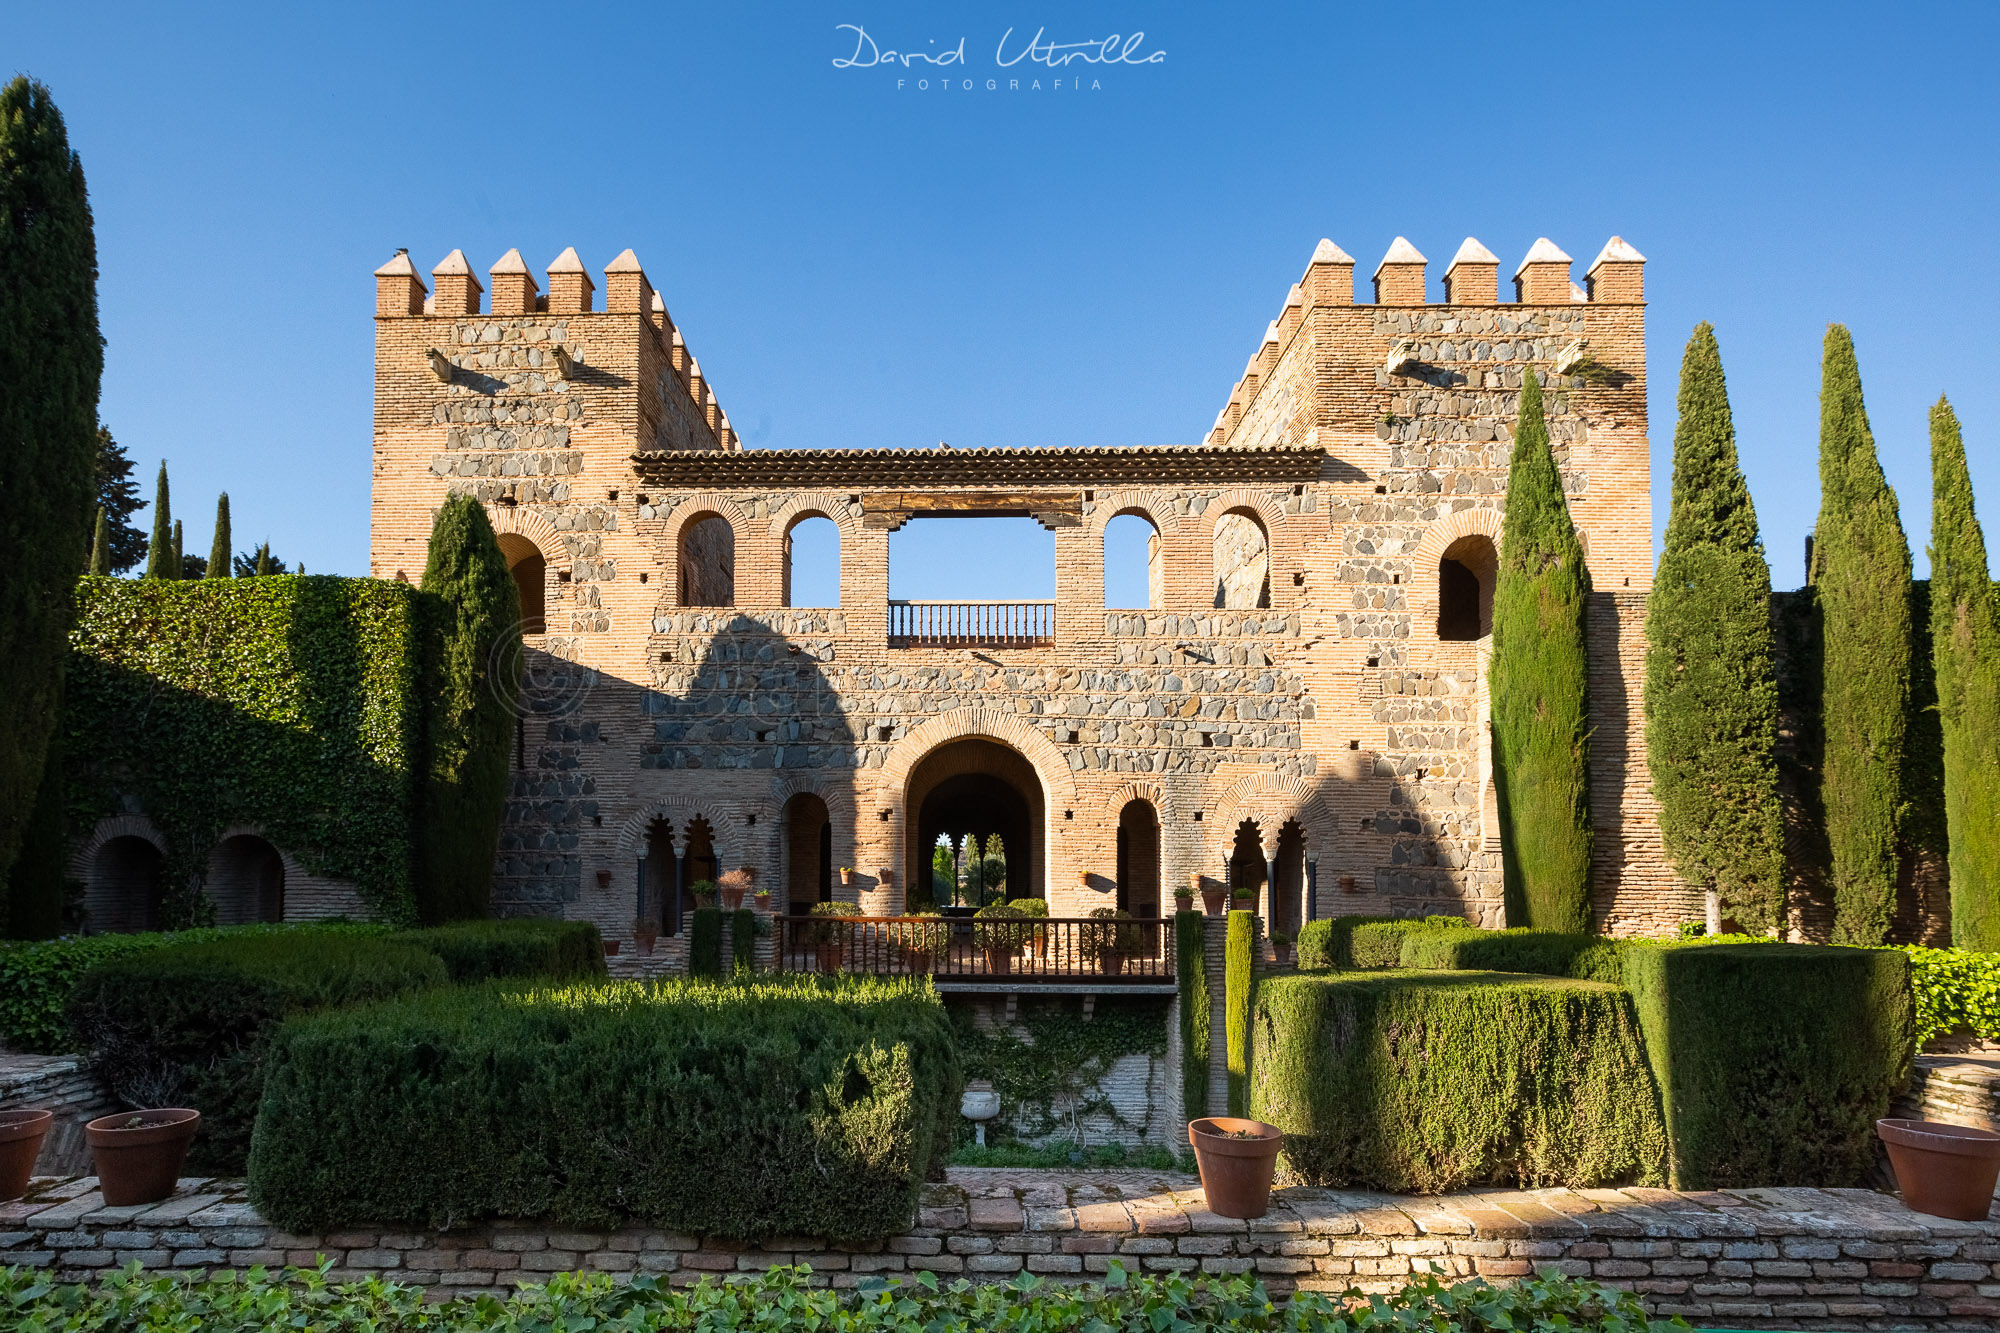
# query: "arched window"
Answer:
x=1466 y=573
x=530 y=571
x=708 y=562
x=122 y=886
x=1242 y=562
x=808 y=853
x=246 y=881
x=1132 y=570
x=1139 y=858
x=1246 y=860
x=812 y=562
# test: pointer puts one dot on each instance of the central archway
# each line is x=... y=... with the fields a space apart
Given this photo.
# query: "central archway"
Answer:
x=980 y=787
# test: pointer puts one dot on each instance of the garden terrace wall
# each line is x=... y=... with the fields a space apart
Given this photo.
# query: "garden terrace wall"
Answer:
x=1776 y=1258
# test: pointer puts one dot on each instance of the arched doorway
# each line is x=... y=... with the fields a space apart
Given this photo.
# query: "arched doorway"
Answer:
x=1289 y=895
x=122 y=888
x=808 y=852
x=1246 y=862
x=977 y=787
x=1139 y=858
x=530 y=571
x=665 y=897
x=246 y=881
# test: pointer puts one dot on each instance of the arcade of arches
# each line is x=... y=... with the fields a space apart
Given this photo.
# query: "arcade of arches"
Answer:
x=670 y=868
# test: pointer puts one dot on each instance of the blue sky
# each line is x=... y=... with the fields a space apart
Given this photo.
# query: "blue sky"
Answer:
x=858 y=265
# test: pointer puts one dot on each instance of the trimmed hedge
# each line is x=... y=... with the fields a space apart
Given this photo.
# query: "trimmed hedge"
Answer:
x=804 y=1107
x=191 y=1025
x=474 y=951
x=1379 y=944
x=705 y=943
x=36 y=978
x=1238 y=981
x=742 y=941
x=1773 y=1060
x=1330 y=941
x=1426 y=1082
x=1546 y=952
x=1191 y=975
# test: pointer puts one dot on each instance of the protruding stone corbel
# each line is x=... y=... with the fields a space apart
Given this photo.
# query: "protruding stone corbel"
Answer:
x=1402 y=357
x=440 y=365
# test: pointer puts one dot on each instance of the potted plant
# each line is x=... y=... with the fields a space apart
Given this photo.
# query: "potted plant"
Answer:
x=1108 y=945
x=1001 y=929
x=733 y=885
x=704 y=892
x=1183 y=898
x=763 y=900
x=921 y=941
x=611 y=948
x=21 y=1135
x=846 y=876
x=1083 y=879
x=1281 y=945
x=645 y=934
x=1237 y=1159
x=138 y=1154
x=603 y=879
x=828 y=935
x=1944 y=1170
x=1212 y=895
x=1034 y=907
x=1243 y=898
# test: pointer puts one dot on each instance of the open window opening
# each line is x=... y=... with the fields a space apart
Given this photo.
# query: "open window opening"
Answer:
x=1466 y=574
x=812 y=562
x=1242 y=562
x=1133 y=575
x=530 y=574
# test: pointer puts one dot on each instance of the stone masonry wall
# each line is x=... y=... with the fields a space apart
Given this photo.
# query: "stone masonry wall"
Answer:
x=1771 y=1258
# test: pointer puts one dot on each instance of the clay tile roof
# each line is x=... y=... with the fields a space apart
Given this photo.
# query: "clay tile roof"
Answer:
x=892 y=469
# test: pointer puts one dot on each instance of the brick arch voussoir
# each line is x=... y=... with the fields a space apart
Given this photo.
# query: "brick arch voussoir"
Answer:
x=815 y=504
x=691 y=507
x=1058 y=782
x=1148 y=792
x=1270 y=800
x=536 y=528
x=113 y=826
x=1155 y=506
x=293 y=870
x=1257 y=502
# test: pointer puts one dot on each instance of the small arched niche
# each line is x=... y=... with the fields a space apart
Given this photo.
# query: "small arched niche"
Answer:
x=708 y=561
x=530 y=572
x=1134 y=578
x=1242 y=562
x=122 y=886
x=1466 y=574
x=246 y=881
x=812 y=562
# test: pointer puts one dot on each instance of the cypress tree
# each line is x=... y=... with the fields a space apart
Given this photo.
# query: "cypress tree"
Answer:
x=161 y=562
x=1861 y=582
x=472 y=664
x=1540 y=689
x=1965 y=653
x=32 y=906
x=51 y=360
x=218 y=548
x=180 y=561
x=119 y=497
x=100 y=544
x=1711 y=691
x=263 y=560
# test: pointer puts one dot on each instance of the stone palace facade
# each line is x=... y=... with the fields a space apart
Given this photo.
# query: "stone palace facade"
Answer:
x=1300 y=708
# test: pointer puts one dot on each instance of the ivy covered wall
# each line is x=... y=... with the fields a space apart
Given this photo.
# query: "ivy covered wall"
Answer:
x=287 y=702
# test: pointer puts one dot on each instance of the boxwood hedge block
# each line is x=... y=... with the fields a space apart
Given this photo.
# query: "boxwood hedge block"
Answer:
x=804 y=1107
x=1546 y=952
x=1774 y=1060
x=474 y=951
x=1332 y=941
x=1432 y=1081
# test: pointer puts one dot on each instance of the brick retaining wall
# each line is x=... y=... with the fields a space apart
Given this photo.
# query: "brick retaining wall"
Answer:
x=1767 y=1258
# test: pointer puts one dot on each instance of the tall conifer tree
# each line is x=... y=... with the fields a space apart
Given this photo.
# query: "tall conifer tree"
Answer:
x=161 y=562
x=180 y=563
x=1965 y=652
x=1861 y=585
x=1711 y=695
x=1540 y=689
x=100 y=544
x=218 y=548
x=472 y=612
x=51 y=360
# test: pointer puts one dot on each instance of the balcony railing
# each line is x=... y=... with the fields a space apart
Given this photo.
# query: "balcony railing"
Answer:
x=1030 y=950
x=972 y=624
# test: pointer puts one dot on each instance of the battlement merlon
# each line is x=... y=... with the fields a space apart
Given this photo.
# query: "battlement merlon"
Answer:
x=1615 y=279
x=682 y=397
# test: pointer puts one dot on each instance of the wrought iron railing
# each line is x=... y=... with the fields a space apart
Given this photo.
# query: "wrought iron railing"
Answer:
x=971 y=624
x=1033 y=950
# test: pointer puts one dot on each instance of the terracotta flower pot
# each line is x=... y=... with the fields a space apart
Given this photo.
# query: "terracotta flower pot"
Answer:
x=1944 y=1170
x=611 y=948
x=1110 y=963
x=732 y=898
x=140 y=1163
x=1000 y=962
x=646 y=939
x=828 y=956
x=1212 y=901
x=21 y=1135
x=763 y=900
x=1235 y=1172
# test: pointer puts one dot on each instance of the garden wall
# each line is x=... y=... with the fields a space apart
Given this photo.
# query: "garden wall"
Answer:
x=1833 y=1259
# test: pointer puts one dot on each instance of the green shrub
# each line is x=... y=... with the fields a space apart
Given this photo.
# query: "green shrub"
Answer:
x=1000 y=926
x=803 y=1107
x=1238 y=980
x=1773 y=1060
x=742 y=941
x=474 y=951
x=792 y=1300
x=36 y=978
x=1379 y=943
x=705 y=943
x=191 y=1025
x=1956 y=990
x=1029 y=906
x=1118 y=936
x=1191 y=975
x=1547 y=952
x=1428 y=1081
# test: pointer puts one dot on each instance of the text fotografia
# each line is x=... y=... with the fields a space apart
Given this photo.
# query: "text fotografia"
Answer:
x=1025 y=60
